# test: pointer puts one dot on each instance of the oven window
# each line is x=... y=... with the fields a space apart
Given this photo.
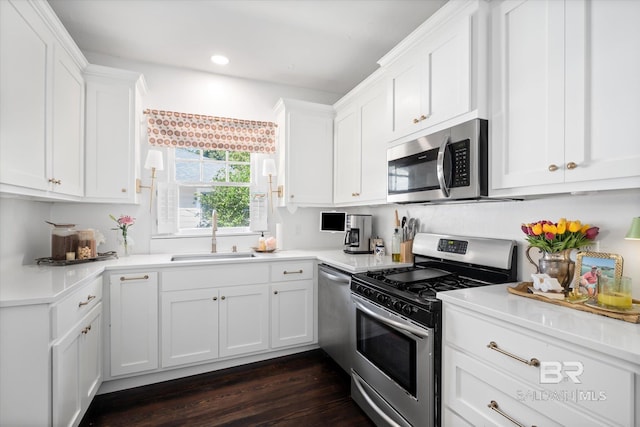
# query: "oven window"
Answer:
x=389 y=350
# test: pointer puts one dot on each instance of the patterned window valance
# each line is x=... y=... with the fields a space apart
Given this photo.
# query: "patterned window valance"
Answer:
x=173 y=129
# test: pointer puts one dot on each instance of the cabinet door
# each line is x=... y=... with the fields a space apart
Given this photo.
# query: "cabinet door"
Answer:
x=292 y=313
x=90 y=360
x=603 y=88
x=77 y=369
x=374 y=125
x=25 y=51
x=244 y=319
x=448 y=71
x=134 y=322
x=528 y=93
x=189 y=326
x=112 y=128
x=347 y=156
x=407 y=92
x=67 y=172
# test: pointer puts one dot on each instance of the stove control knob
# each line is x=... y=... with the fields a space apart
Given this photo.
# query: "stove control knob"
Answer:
x=359 y=288
x=407 y=309
x=382 y=298
x=368 y=292
x=399 y=305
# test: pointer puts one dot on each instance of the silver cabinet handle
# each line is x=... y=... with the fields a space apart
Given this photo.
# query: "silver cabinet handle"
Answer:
x=292 y=272
x=533 y=362
x=123 y=278
x=89 y=298
x=493 y=405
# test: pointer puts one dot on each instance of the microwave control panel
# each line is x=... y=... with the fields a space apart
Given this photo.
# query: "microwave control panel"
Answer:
x=460 y=153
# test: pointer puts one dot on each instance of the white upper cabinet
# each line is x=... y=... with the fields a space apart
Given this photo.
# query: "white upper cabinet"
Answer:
x=114 y=117
x=564 y=96
x=438 y=73
x=360 y=159
x=42 y=104
x=305 y=153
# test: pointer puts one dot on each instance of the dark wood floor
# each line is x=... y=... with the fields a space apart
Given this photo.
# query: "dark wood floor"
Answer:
x=307 y=389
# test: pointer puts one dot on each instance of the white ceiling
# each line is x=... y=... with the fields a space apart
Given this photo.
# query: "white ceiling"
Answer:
x=328 y=45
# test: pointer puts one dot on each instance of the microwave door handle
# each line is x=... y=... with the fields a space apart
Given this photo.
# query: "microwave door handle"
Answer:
x=440 y=167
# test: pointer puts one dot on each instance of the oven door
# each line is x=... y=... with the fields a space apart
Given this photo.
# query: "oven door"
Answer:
x=393 y=366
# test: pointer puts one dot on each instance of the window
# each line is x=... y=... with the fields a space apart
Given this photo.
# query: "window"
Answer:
x=212 y=179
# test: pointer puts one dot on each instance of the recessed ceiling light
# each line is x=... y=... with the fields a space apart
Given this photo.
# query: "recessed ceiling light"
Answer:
x=220 y=59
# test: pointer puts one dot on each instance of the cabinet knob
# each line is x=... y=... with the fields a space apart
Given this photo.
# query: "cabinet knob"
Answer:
x=571 y=165
x=275 y=292
x=416 y=120
x=223 y=297
x=123 y=190
x=215 y=298
x=86 y=330
x=355 y=194
x=423 y=117
x=553 y=168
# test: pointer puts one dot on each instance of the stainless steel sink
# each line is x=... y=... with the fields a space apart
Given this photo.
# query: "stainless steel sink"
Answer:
x=213 y=256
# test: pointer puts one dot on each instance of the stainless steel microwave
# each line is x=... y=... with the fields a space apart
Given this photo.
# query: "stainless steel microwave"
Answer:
x=448 y=165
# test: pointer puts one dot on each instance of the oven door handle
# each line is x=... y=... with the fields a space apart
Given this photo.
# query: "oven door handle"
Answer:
x=399 y=326
x=440 y=167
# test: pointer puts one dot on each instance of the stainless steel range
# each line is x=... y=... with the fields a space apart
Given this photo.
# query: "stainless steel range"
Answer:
x=396 y=336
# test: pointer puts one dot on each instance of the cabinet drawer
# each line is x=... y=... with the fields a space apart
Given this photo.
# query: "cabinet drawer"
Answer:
x=598 y=386
x=470 y=387
x=293 y=270
x=212 y=276
x=70 y=310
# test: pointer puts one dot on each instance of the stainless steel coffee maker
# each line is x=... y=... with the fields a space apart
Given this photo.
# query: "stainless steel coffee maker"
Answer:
x=358 y=236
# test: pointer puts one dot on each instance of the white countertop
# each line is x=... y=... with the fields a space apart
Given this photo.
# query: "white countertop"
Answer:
x=611 y=336
x=33 y=284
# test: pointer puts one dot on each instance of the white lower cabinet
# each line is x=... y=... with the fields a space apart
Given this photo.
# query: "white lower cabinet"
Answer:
x=244 y=319
x=498 y=373
x=222 y=312
x=133 y=322
x=292 y=311
x=189 y=326
x=77 y=369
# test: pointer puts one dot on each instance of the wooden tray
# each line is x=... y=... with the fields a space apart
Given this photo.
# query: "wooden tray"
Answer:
x=521 y=289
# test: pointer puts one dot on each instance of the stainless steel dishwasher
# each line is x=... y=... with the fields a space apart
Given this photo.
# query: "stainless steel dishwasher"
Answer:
x=334 y=314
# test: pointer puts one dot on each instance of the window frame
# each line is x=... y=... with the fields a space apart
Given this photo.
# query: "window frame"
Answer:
x=171 y=178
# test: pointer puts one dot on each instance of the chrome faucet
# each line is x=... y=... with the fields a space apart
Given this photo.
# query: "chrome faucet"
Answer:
x=214 y=228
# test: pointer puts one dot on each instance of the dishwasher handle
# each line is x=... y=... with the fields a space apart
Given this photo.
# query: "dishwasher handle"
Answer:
x=334 y=277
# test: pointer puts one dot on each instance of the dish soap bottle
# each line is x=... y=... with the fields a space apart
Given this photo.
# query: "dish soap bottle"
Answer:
x=395 y=246
x=262 y=243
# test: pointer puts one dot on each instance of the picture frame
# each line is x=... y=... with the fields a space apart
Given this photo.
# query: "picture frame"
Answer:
x=594 y=266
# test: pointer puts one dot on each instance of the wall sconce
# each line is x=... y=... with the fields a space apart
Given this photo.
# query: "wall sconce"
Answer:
x=269 y=169
x=634 y=230
x=153 y=162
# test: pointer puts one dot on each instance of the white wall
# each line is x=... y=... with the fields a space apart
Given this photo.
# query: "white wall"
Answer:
x=24 y=235
x=611 y=211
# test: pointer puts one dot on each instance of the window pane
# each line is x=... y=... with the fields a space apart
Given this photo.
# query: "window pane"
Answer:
x=239 y=173
x=239 y=156
x=213 y=171
x=187 y=153
x=187 y=171
x=231 y=204
x=215 y=154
